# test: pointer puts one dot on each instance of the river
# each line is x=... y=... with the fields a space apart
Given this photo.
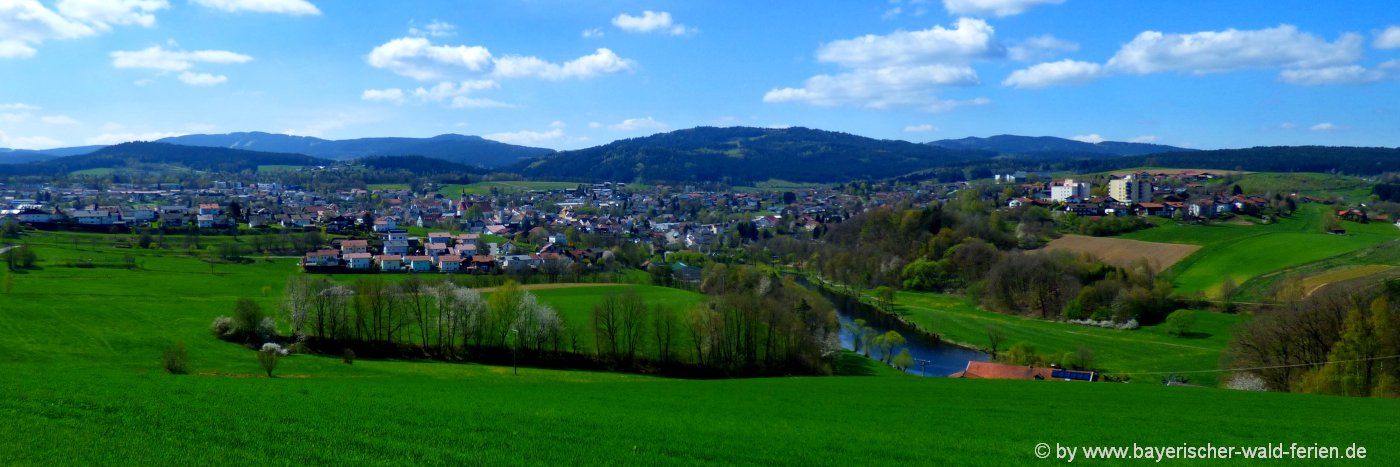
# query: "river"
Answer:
x=931 y=357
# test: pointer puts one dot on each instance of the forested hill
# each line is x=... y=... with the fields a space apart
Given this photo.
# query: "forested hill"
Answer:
x=461 y=149
x=1049 y=147
x=744 y=154
x=144 y=153
x=1346 y=160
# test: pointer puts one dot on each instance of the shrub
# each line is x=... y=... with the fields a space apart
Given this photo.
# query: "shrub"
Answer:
x=247 y=316
x=1180 y=322
x=348 y=357
x=268 y=357
x=222 y=327
x=267 y=329
x=176 y=359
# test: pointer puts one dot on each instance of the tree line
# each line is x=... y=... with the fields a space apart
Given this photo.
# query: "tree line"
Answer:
x=1341 y=340
x=750 y=324
x=966 y=246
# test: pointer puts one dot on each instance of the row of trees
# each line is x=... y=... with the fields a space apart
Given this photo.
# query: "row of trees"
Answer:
x=750 y=323
x=956 y=248
x=1338 y=340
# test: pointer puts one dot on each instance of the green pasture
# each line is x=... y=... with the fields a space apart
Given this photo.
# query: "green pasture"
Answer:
x=1243 y=252
x=81 y=383
x=1145 y=351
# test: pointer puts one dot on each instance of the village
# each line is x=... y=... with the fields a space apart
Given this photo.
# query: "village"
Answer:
x=562 y=229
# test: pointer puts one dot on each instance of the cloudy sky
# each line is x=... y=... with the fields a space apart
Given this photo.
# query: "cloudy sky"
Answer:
x=568 y=74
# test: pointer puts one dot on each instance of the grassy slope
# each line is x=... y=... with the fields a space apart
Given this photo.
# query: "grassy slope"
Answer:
x=79 y=351
x=1148 y=349
x=1244 y=252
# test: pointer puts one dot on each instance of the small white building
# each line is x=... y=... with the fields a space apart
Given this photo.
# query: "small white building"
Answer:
x=358 y=260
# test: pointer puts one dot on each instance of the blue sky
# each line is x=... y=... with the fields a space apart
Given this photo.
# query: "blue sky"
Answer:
x=569 y=74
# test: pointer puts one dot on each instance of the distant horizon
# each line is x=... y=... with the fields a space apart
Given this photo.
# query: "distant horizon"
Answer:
x=565 y=75
x=677 y=129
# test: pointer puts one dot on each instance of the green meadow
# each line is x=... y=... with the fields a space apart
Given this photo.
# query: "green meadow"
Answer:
x=82 y=384
x=484 y=188
x=1243 y=251
x=1147 y=354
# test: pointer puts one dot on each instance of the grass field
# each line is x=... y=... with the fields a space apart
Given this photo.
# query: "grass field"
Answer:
x=81 y=384
x=1144 y=351
x=1124 y=253
x=1164 y=170
x=484 y=188
x=1243 y=252
x=278 y=168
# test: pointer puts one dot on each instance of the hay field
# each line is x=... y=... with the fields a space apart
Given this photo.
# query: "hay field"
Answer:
x=1124 y=253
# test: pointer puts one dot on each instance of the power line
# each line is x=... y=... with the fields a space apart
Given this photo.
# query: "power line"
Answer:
x=1255 y=368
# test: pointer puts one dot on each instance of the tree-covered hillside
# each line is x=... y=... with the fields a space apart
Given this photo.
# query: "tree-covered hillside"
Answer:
x=742 y=154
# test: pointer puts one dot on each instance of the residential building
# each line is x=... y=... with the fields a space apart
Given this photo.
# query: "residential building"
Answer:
x=1130 y=189
x=1070 y=189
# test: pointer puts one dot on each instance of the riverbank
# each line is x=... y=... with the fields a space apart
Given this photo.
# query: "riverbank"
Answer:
x=1147 y=354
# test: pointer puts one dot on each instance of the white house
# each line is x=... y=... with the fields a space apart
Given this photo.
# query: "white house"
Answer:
x=358 y=260
x=390 y=263
x=449 y=263
x=101 y=217
x=419 y=263
x=1070 y=189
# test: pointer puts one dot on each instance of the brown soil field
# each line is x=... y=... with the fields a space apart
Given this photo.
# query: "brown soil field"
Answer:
x=1124 y=253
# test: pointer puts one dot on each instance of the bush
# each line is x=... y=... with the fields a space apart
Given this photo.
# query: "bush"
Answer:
x=268 y=357
x=1180 y=322
x=222 y=327
x=267 y=329
x=348 y=357
x=247 y=316
x=176 y=359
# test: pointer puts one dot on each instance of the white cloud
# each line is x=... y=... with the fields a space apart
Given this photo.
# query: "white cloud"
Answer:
x=458 y=95
x=1053 y=73
x=118 y=138
x=1217 y=51
x=1092 y=138
x=418 y=58
x=450 y=94
x=1387 y=39
x=1287 y=125
x=394 y=95
x=28 y=142
x=601 y=61
x=201 y=79
x=1351 y=74
x=921 y=128
x=434 y=29
x=969 y=39
x=19 y=106
x=592 y=32
x=595 y=125
x=526 y=137
x=651 y=21
x=878 y=88
x=638 y=124
x=104 y=13
x=1324 y=126
x=1040 y=47
x=16 y=49
x=58 y=120
x=290 y=7
x=15 y=117
x=892 y=13
x=157 y=58
x=994 y=7
x=27 y=23
x=1145 y=139
x=558 y=124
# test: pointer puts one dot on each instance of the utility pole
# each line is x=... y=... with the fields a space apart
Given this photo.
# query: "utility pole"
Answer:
x=515 y=353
